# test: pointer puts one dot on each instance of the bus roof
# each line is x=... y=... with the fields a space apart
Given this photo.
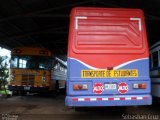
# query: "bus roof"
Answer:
x=31 y=51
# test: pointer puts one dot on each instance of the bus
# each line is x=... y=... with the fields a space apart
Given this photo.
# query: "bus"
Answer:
x=30 y=70
x=155 y=69
x=59 y=73
x=108 y=58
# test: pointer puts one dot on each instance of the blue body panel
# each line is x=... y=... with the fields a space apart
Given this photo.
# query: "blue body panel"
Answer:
x=89 y=98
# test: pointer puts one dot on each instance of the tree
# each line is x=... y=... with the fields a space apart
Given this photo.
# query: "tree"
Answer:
x=4 y=74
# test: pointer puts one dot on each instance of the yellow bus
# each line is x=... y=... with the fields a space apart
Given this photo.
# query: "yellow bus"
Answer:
x=30 y=70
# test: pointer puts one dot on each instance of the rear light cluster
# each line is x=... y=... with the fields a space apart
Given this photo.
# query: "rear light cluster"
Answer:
x=80 y=87
x=139 y=85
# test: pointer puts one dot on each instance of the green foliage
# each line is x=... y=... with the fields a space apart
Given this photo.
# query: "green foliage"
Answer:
x=4 y=73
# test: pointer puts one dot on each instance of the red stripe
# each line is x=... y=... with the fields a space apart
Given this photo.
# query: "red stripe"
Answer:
x=110 y=98
x=74 y=99
x=144 y=98
x=133 y=98
x=122 y=98
x=87 y=99
x=99 y=99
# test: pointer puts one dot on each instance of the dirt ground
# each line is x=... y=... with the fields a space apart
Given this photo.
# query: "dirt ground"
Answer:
x=38 y=107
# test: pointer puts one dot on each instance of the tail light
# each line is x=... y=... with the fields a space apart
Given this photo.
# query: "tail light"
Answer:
x=80 y=87
x=139 y=85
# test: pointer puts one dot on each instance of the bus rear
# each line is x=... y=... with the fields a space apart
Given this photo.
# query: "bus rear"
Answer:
x=108 y=61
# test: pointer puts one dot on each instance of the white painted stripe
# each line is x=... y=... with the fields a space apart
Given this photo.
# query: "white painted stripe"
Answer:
x=116 y=98
x=129 y=98
x=93 y=99
x=139 y=22
x=139 y=98
x=124 y=64
x=81 y=99
x=104 y=99
x=88 y=66
x=76 y=20
x=117 y=67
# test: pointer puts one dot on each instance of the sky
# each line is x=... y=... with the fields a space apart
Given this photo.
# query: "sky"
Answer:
x=5 y=52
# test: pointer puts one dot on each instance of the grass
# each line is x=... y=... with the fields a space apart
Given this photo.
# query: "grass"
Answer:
x=4 y=93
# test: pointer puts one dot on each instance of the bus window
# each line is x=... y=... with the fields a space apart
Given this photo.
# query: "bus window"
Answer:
x=22 y=63
x=30 y=62
x=14 y=62
x=155 y=59
x=44 y=63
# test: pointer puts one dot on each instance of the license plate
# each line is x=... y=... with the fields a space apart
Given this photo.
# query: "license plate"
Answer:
x=26 y=88
x=110 y=86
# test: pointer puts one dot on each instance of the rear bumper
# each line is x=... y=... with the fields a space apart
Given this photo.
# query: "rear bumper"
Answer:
x=117 y=100
x=28 y=88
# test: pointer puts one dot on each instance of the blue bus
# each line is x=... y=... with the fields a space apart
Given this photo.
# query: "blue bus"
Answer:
x=108 y=58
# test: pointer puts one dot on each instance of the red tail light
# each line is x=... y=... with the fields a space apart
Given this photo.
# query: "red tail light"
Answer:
x=80 y=87
x=139 y=85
